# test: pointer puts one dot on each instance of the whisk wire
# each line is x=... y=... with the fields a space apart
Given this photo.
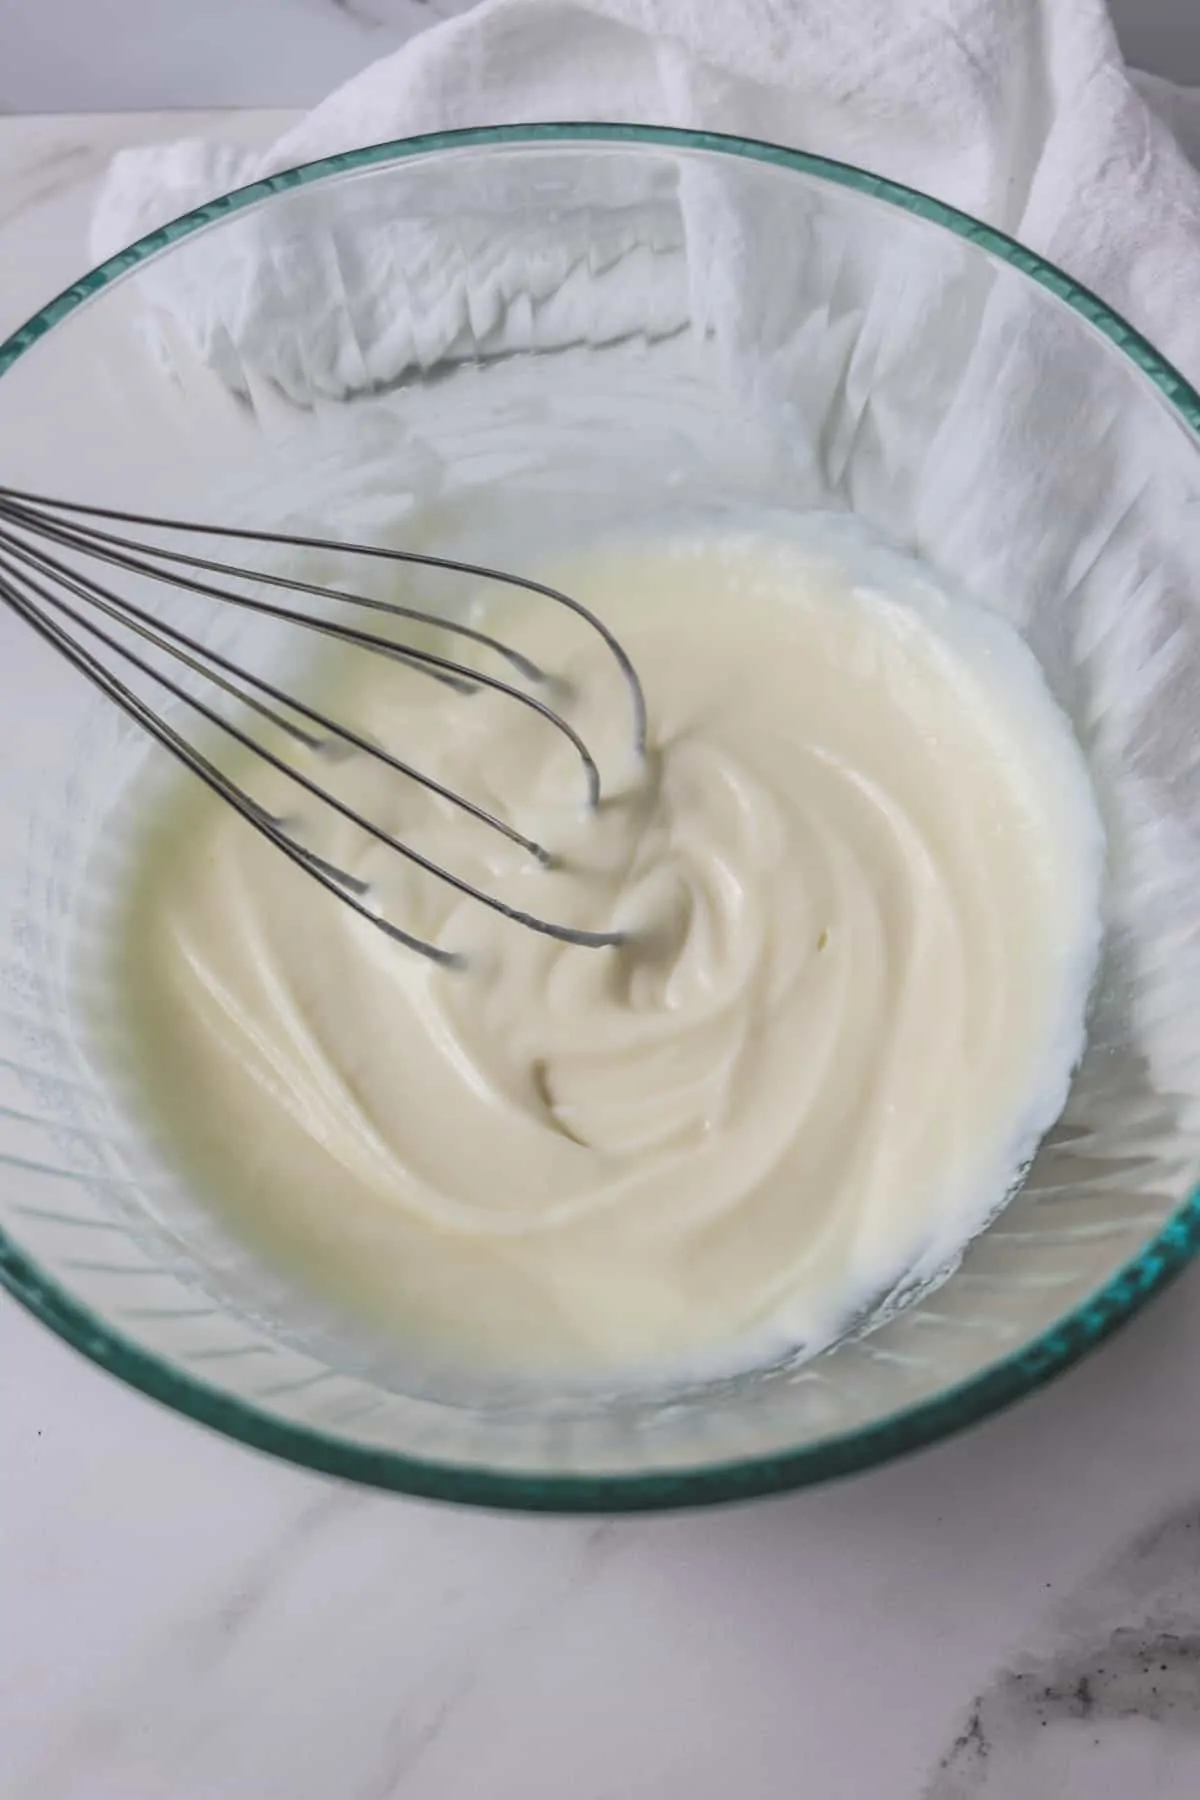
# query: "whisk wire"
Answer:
x=26 y=567
x=43 y=504
x=198 y=657
x=88 y=538
x=460 y=675
x=338 y=883
x=276 y=762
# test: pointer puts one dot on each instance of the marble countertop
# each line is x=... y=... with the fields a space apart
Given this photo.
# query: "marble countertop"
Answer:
x=1013 y=1615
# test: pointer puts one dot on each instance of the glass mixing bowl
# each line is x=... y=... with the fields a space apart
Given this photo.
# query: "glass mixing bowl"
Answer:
x=548 y=328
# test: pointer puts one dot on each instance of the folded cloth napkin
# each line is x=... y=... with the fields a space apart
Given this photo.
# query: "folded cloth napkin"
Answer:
x=1019 y=111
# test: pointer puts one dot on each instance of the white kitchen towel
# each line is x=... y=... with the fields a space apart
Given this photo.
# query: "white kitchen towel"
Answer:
x=1019 y=111
x=968 y=419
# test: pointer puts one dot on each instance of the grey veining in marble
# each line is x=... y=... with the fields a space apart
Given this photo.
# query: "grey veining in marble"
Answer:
x=1014 y=1615
x=1124 y=1647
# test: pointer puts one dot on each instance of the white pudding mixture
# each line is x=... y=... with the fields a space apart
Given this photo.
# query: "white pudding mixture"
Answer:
x=859 y=877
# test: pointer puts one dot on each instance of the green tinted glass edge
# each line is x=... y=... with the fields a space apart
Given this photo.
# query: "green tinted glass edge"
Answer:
x=1081 y=1330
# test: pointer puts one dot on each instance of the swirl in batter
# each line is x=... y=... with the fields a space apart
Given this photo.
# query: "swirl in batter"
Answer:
x=860 y=876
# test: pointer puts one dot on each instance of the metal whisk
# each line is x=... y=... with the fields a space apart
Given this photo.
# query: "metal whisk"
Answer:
x=66 y=603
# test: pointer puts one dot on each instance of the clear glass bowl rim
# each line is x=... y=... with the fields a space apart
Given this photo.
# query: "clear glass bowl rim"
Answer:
x=1080 y=1330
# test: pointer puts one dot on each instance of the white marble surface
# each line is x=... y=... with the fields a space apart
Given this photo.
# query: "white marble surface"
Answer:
x=93 y=54
x=1011 y=1616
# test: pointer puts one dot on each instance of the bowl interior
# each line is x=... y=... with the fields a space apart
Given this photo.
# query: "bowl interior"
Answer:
x=511 y=338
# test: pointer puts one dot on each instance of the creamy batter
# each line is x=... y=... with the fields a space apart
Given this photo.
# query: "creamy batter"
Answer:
x=859 y=877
